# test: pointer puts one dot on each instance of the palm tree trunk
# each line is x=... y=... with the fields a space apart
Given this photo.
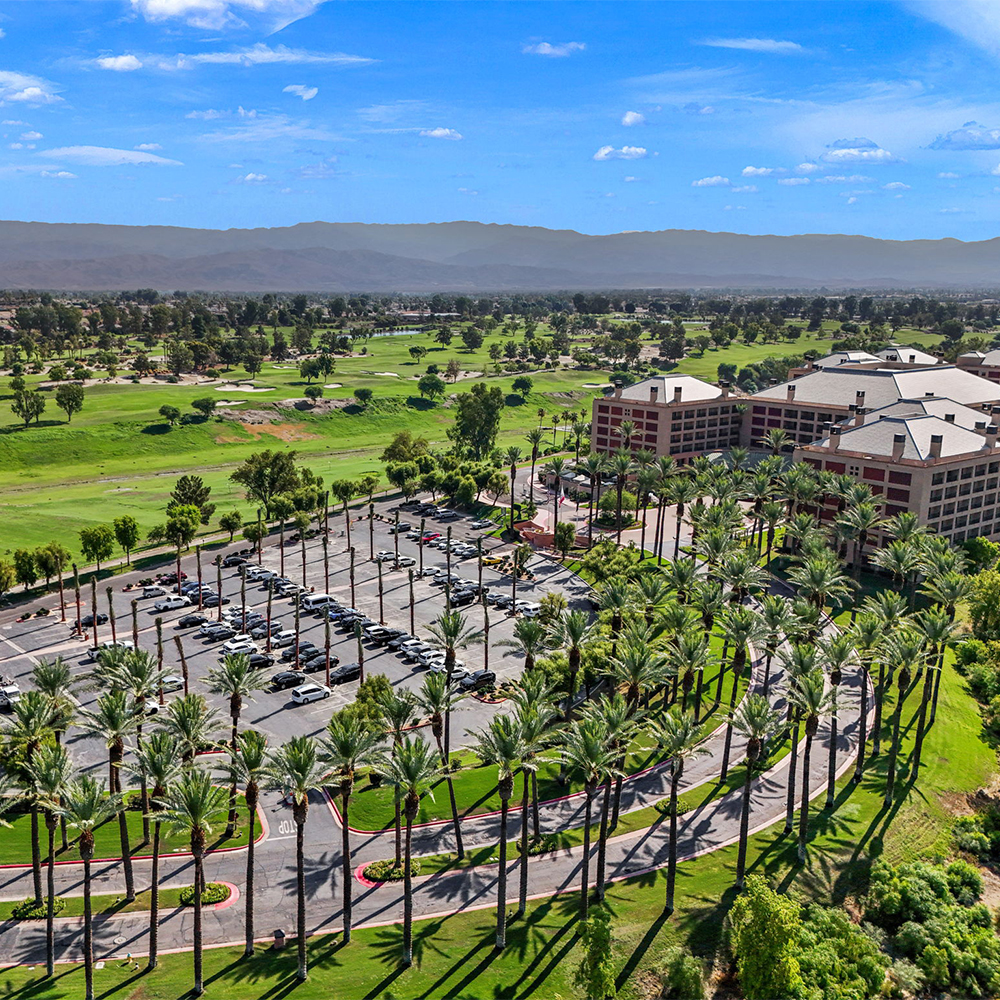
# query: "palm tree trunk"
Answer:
x=792 y=768
x=585 y=860
x=877 y=721
x=345 y=801
x=199 y=874
x=677 y=533
x=831 y=761
x=50 y=903
x=446 y=762
x=862 y=725
x=88 y=925
x=534 y=805
x=741 y=860
x=154 y=898
x=602 y=841
x=697 y=694
x=300 y=889
x=890 y=774
x=251 y=800
x=937 y=685
x=231 y=820
x=126 y=852
x=677 y=769
x=523 y=893
x=804 y=807
x=407 y=898
x=36 y=855
x=502 y=877
x=729 y=725
x=918 y=744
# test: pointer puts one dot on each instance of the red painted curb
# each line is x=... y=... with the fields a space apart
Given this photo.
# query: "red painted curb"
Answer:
x=359 y=874
x=234 y=895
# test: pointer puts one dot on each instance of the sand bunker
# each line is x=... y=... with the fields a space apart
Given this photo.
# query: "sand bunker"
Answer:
x=334 y=385
x=242 y=388
x=286 y=368
x=595 y=385
x=231 y=402
x=386 y=374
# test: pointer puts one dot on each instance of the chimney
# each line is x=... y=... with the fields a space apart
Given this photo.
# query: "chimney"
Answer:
x=772 y=381
x=980 y=426
x=995 y=414
x=724 y=386
x=898 y=444
x=935 y=450
x=834 y=437
x=791 y=391
x=991 y=437
x=859 y=418
x=949 y=418
x=677 y=393
x=654 y=391
x=810 y=366
x=618 y=389
x=859 y=397
x=913 y=359
x=928 y=394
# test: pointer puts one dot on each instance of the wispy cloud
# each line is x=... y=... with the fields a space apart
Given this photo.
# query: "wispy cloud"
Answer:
x=896 y=186
x=971 y=136
x=793 y=181
x=770 y=45
x=22 y=88
x=977 y=21
x=260 y=54
x=254 y=127
x=213 y=15
x=120 y=64
x=711 y=182
x=631 y=118
x=441 y=133
x=858 y=150
x=300 y=90
x=559 y=51
x=106 y=156
x=148 y=147
x=625 y=153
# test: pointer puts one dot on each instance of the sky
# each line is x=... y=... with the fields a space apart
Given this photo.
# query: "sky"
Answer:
x=825 y=116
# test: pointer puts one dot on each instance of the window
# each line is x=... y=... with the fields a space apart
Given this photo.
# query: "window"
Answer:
x=900 y=478
x=873 y=474
x=893 y=493
x=937 y=479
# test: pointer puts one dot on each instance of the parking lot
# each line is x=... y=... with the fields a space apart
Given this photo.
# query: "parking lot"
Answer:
x=274 y=712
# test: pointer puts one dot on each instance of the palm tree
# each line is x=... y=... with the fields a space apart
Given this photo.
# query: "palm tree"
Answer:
x=397 y=709
x=236 y=679
x=796 y=663
x=835 y=653
x=621 y=466
x=583 y=747
x=685 y=491
x=680 y=737
x=534 y=437
x=639 y=668
x=156 y=764
x=778 y=624
x=772 y=514
x=867 y=635
x=351 y=743
x=812 y=700
x=776 y=440
x=191 y=724
x=665 y=472
x=681 y=575
x=556 y=468
x=410 y=772
x=645 y=483
x=32 y=725
x=937 y=630
x=501 y=743
x=615 y=596
x=114 y=720
x=529 y=640
x=860 y=521
x=905 y=651
x=757 y=723
x=742 y=628
x=296 y=770
x=512 y=457
x=86 y=804
x=819 y=580
x=901 y=558
x=49 y=775
x=692 y=660
x=571 y=631
x=593 y=468
x=194 y=806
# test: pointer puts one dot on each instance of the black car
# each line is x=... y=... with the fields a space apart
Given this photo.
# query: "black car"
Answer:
x=461 y=597
x=385 y=635
x=478 y=680
x=233 y=560
x=348 y=672
x=317 y=663
x=189 y=621
x=304 y=649
x=286 y=679
x=400 y=639
x=259 y=660
x=213 y=600
x=88 y=620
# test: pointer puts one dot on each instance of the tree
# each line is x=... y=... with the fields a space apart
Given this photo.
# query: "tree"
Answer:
x=431 y=386
x=231 y=521
x=522 y=385
x=191 y=490
x=28 y=405
x=195 y=806
x=364 y=396
x=765 y=929
x=351 y=743
x=191 y=724
x=565 y=536
x=205 y=405
x=182 y=525
x=313 y=392
x=410 y=772
x=253 y=364
x=86 y=806
x=477 y=419
x=97 y=543
x=811 y=701
x=8 y=578
x=472 y=338
x=126 y=529
x=296 y=770
x=266 y=474
x=25 y=567
x=170 y=413
x=69 y=399
x=596 y=974
x=418 y=353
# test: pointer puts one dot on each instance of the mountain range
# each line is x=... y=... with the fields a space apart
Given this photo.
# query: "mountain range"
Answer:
x=471 y=257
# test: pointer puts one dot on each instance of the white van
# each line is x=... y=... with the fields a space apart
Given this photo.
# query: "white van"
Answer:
x=310 y=602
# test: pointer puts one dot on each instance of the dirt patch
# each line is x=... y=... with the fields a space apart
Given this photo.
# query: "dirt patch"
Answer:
x=249 y=416
x=319 y=407
x=283 y=432
x=566 y=398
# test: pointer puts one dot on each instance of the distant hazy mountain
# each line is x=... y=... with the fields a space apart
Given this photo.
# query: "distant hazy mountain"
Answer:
x=470 y=256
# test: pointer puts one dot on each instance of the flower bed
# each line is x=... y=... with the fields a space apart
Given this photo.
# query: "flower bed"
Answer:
x=214 y=892
x=29 y=910
x=389 y=871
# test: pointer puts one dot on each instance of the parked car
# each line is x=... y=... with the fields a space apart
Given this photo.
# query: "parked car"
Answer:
x=413 y=536
x=285 y=679
x=88 y=620
x=306 y=693
x=317 y=662
x=240 y=644
x=189 y=621
x=347 y=672
x=431 y=536
x=438 y=667
x=500 y=601
x=292 y=651
x=448 y=515
x=405 y=561
x=234 y=560
x=283 y=638
x=478 y=680
x=215 y=633
x=170 y=603
x=261 y=631
x=172 y=682
x=492 y=560
x=260 y=660
x=383 y=555
x=213 y=600
x=412 y=652
x=94 y=651
x=483 y=522
x=462 y=597
x=382 y=635
x=10 y=695
x=154 y=591
x=401 y=640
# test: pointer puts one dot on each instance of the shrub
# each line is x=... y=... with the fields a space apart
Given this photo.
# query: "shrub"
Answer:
x=28 y=910
x=836 y=958
x=681 y=975
x=389 y=871
x=214 y=892
x=210 y=373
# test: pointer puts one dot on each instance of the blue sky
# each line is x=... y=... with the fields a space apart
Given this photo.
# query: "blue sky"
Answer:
x=873 y=118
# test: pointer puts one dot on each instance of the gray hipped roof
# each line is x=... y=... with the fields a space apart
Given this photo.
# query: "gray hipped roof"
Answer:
x=876 y=438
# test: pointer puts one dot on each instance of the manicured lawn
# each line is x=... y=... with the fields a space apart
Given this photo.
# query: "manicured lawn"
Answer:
x=107 y=905
x=15 y=842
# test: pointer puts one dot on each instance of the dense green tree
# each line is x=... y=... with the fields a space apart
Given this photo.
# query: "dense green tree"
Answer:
x=69 y=399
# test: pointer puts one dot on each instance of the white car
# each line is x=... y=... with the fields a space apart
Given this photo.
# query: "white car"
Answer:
x=482 y=523
x=169 y=603
x=384 y=556
x=528 y=608
x=458 y=671
x=10 y=695
x=172 y=682
x=405 y=561
x=240 y=644
x=306 y=693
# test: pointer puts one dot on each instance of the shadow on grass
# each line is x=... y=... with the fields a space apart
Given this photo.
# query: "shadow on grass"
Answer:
x=420 y=403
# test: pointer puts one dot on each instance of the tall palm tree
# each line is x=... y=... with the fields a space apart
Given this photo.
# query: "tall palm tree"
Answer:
x=571 y=631
x=593 y=468
x=194 y=806
x=616 y=597
x=692 y=660
x=191 y=724
x=666 y=470
x=685 y=491
x=512 y=456
x=757 y=723
x=796 y=663
x=501 y=743
x=113 y=721
x=534 y=719
x=556 y=468
x=86 y=804
x=681 y=576
x=583 y=747
x=772 y=514
x=534 y=438
x=31 y=727
x=410 y=773
x=621 y=466
x=813 y=701
x=296 y=769
x=860 y=521
x=645 y=482
x=529 y=639
x=819 y=580
x=937 y=630
x=54 y=679
x=906 y=651
x=868 y=636
x=351 y=743
x=742 y=627
x=236 y=679
x=680 y=737
x=901 y=558
x=397 y=709
x=157 y=766
x=49 y=775
x=639 y=668
x=835 y=653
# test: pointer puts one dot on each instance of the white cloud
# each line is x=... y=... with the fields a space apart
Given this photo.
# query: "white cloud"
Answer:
x=859 y=150
x=257 y=55
x=896 y=186
x=808 y=168
x=12 y=121
x=20 y=88
x=852 y=200
x=771 y=45
x=209 y=115
x=977 y=21
x=793 y=181
x=104 y=156
x=630 y=180
x=553 y=51
x=948 y=175
x=694 y=108
x=59 y=174
x=625 y=153
x=441 y=133
x=261 y=128
x=148 y=147
x=708 y=182
x=211 y=15
x=252 y=178
x=120 y=64
x=300 y=90
x=842 y=179
x=633 y=118
x=757 y=171
x=31 y=136
x=318 y=171
x=468 y=191
x=748 y=188
x=15 y=145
